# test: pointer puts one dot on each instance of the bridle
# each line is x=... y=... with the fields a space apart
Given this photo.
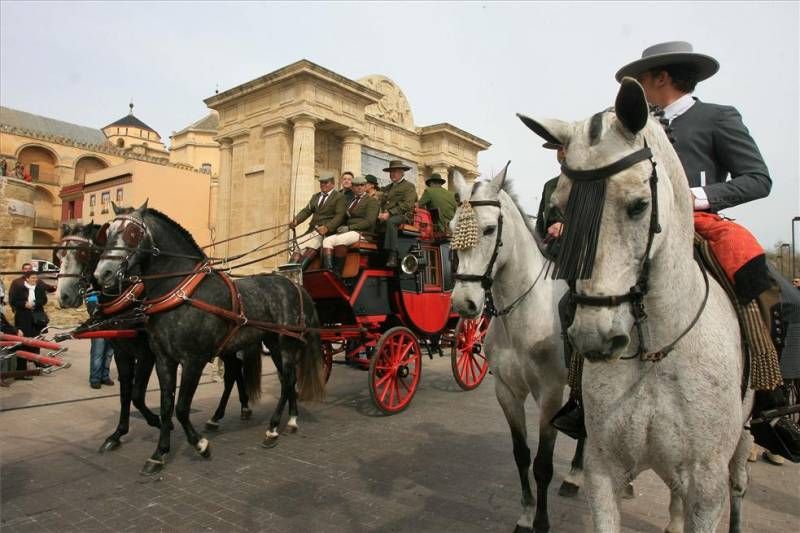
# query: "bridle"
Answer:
x=84 y=250
x=134 y=231
x=635 y=295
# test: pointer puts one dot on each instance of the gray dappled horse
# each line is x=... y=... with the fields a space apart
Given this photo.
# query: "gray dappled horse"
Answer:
x=189 y=336
x=524 y=345
x=679 y=409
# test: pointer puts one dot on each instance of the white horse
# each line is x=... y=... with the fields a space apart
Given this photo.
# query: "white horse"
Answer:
x=679 y=409
x=524 y=345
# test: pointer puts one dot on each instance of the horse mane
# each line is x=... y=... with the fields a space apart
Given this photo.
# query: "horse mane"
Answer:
x=508 y=188
x=183 y=231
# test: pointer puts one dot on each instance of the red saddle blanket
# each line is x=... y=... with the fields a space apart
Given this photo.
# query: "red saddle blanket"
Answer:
x=738 y=253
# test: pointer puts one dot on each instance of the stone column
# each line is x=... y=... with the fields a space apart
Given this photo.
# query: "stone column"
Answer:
x=303 y=171
x=276 y=207
x=222 y=222
x=351 y=152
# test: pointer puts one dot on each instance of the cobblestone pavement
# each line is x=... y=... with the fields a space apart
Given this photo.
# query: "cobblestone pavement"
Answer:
x=443 y=465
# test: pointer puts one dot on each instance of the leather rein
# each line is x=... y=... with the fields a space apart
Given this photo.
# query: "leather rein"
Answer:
x=635 y=295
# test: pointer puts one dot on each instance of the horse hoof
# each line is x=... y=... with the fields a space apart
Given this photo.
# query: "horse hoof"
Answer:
x=204 y=448
x=212 y=425
x=246 y=413
x=628 y=493
x=108 y=445
x=568 y=490
x=269 y=442
x=152 y=467
x=291 y=430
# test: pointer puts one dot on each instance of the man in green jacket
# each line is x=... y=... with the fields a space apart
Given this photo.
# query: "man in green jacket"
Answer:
x=397 y=207
x=362 y=215
x=327 y=211
x=439 y=198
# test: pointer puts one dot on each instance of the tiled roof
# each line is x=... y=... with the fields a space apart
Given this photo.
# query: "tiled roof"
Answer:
x=50 y=126
x=131 y=121
x=209 y=122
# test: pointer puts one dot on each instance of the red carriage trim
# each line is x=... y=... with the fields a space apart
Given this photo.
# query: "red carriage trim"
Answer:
x=427 y=312
x=107 y=334
x=36 y=343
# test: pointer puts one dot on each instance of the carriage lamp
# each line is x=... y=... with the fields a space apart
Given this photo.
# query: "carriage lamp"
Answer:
x=412 y=261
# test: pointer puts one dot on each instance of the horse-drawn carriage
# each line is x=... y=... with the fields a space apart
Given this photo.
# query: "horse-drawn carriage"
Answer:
x=381 y=319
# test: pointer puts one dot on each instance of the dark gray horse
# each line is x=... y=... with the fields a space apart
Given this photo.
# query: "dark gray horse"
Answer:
x=164 y=253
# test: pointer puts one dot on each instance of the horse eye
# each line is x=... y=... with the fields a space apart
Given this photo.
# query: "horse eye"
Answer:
x=637 y=207
x=489 y=230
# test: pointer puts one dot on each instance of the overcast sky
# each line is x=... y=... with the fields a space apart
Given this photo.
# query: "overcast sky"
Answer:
x=471 y=64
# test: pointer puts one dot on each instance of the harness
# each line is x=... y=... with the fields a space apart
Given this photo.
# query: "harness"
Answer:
x=635 y=295
x=486 y=279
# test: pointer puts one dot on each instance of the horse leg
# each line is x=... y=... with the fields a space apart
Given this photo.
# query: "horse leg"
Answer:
x=604 y=482
x=143 y=371
x=271 y=437
x=229 y=378
x=125 y=364
x=241 y=388
x=514 y=411
x=543 y=462
x=705 y=500
x=291 y=425
x=572 y=483
x=190 y=378
x=167 y=370
x=739 y=480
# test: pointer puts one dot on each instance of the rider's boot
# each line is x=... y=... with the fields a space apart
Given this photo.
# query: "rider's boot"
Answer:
x=339 y=258
x=391 y=261
x=569 y=419
x=296 y=257
x=327 y=258
x=308 y=255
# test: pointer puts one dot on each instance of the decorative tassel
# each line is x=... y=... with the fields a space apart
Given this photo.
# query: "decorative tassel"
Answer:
x=584 y=212
x=466 y=234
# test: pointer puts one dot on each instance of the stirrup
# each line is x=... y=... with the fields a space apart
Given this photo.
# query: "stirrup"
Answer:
x=569 y=420
x=781 y=438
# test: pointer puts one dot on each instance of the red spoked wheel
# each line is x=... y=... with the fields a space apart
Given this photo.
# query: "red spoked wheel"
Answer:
x=467 y=356
x=327 y=359
x=395 y=370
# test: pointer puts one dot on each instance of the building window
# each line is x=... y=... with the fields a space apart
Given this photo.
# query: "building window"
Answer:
x=34 y=171
x=92 y=201
x=205 y=168
x=105 y=199
x=119 y=195
x=121 y=143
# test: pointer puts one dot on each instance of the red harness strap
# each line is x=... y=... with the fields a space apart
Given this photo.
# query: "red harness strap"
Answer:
x=123 y=301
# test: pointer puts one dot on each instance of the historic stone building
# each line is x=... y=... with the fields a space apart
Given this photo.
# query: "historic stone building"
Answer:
x=279 y=131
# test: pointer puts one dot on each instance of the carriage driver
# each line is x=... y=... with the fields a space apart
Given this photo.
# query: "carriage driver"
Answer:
x=327 y=211
x=362 y=215
x=397 y=207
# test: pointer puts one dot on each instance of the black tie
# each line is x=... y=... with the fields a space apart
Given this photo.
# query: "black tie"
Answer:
x=659 y=114
x=322 y=200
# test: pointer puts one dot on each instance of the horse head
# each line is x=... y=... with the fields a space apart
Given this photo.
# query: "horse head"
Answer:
x=626 y=200
x=127 y=244
x=477 y=228
x=76 y=262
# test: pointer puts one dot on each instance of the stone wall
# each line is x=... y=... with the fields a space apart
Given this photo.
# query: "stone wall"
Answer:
x=16 y=223
x=374 y=161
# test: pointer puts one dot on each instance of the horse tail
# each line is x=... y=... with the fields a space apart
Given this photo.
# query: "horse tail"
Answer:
x=310 y=370
x=251 y=369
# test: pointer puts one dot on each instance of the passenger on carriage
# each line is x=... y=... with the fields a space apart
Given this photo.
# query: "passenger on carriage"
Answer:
x=327 y=211
x=372 y=188
x=397 y=207
x=712 y=142
x=346 y=186
x=439 y=198
x=362 y=215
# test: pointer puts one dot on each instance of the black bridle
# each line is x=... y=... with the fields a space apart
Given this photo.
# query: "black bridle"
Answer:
x=635 y=295
x=84 y=250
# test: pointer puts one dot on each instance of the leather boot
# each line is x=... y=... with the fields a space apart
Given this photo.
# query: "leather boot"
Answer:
x=296 y=257
x=339 y=258
x=327 y=258
x=391 y=261
x=308 y=255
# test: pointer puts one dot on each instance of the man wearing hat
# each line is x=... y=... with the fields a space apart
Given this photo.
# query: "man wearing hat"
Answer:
x=439 y=198
x=711 y=140
x=327 y=211
x=373 y=188
x=362 y=215
x=397 y=207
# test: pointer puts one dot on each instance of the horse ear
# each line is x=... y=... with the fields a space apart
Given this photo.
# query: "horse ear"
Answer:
x=461 y=186
x=551 y=130
x=500 y=179
x=144 y=205
x=65 y=229
x=631 y=105
x=115 y=208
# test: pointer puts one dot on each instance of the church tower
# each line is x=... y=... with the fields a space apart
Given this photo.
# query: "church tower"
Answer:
x=132 y=135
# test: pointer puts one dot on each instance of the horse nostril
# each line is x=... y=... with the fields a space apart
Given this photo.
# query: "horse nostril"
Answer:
x=618 y=342
x=471 y=306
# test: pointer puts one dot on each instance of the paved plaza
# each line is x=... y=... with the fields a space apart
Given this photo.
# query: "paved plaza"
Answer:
x=443 y=465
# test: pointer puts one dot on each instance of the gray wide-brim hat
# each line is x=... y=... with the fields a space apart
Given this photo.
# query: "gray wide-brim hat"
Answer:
x=670 y=53
x=397 y=164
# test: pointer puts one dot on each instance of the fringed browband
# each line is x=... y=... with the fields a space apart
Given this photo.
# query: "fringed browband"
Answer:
x=583 y=214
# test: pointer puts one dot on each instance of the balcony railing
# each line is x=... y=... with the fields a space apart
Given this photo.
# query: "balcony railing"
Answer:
x=41 y=222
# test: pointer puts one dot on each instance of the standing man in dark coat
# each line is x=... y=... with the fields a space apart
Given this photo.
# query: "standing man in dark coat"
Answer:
x=327 y=211
x=439 y=198
x=398 y=200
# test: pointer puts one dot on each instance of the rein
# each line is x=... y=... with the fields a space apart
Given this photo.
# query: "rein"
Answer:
x=635 y=295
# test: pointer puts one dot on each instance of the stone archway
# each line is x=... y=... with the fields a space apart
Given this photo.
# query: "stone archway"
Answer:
x=86 y=165
x=40 y=163
x=43 y=204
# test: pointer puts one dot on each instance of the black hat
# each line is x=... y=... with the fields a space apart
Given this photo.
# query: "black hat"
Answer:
x=435 y=178
x=371 y=179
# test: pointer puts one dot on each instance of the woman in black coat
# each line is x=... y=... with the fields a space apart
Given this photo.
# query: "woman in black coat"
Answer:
x=28 y=298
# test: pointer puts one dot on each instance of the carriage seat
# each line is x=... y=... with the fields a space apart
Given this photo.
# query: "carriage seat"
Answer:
x=363 y=246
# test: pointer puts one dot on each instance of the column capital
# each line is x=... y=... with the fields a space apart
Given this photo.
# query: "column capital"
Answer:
x=307 y=120
x=272 y=127
x=351 y=136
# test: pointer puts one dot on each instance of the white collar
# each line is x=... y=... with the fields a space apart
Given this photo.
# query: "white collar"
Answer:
x=678 y=107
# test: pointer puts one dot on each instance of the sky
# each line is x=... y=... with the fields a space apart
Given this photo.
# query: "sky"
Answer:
x=472 y=64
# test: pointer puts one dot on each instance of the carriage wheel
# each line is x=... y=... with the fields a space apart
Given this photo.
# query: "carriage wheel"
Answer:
x=467 y=356
x=394 y=370
x=327 y=359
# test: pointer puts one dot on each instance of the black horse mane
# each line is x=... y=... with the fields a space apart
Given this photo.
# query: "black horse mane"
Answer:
x=164 y=218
